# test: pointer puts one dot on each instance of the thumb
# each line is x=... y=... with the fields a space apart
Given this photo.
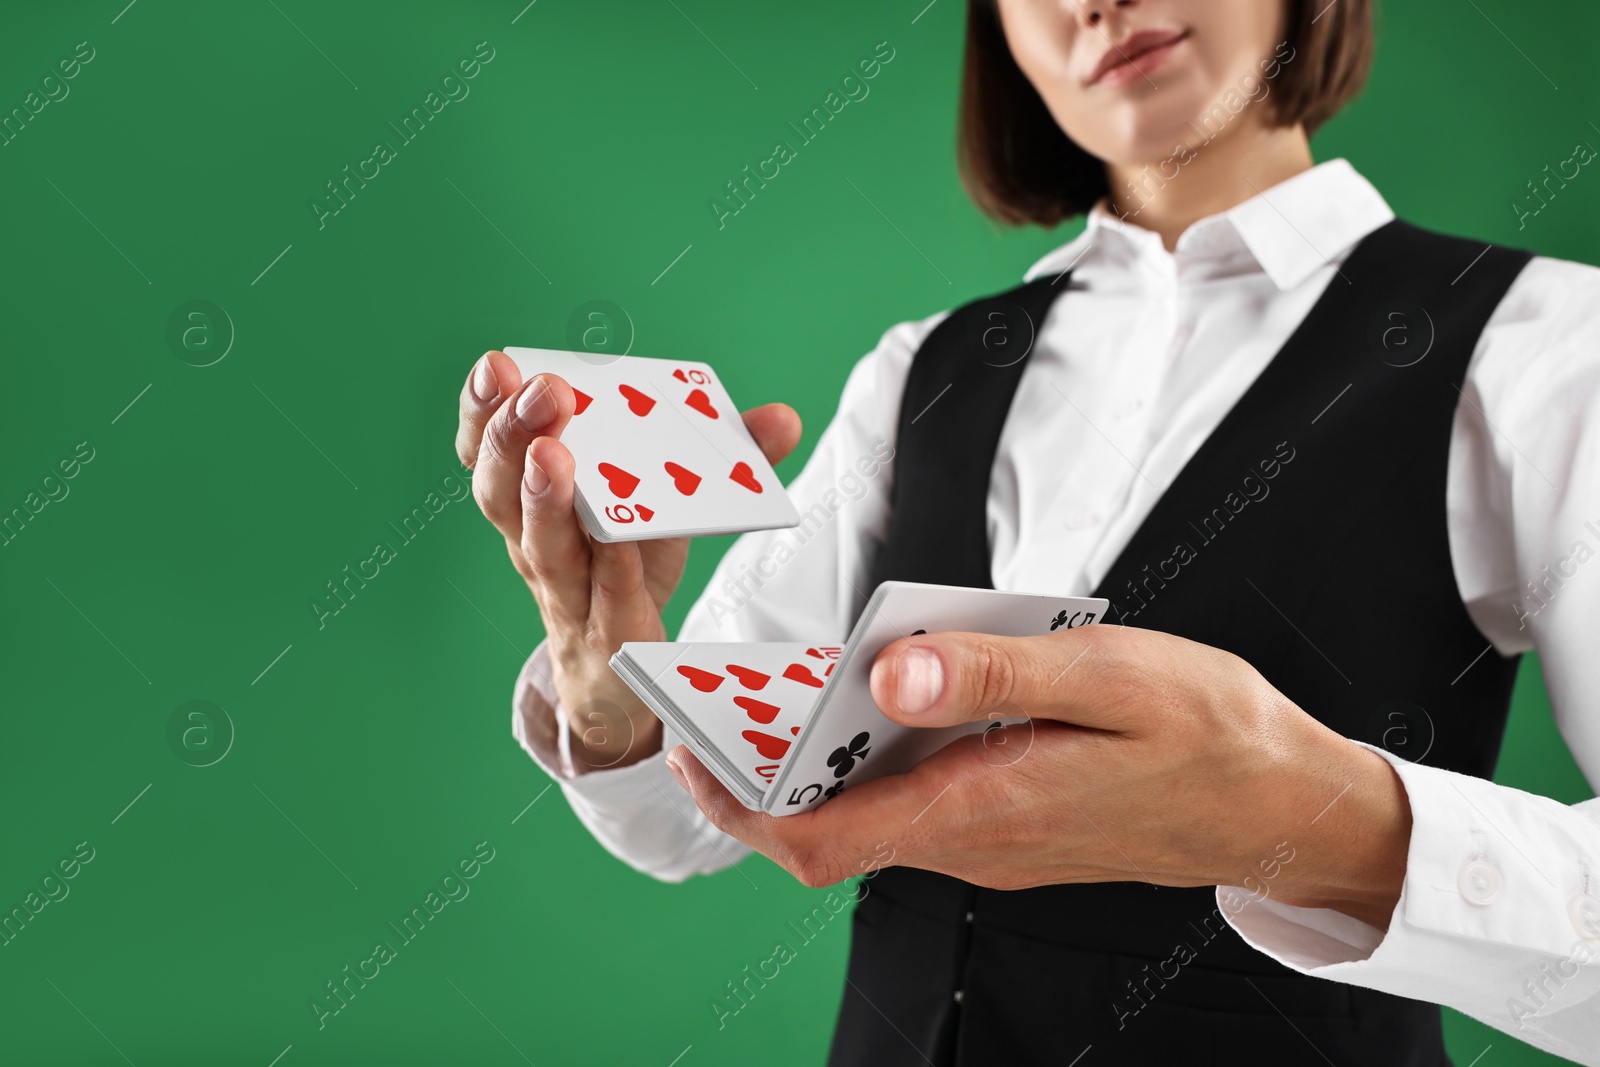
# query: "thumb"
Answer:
x=943 y=679
x=776 y=429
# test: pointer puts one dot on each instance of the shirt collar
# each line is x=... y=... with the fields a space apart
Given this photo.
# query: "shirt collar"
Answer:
x=1290 y=229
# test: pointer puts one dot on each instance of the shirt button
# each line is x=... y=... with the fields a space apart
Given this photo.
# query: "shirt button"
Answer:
x=1130 y=408
x=959 y=996
x=1083 y=520
x=1479 y=883
x=1584 y=911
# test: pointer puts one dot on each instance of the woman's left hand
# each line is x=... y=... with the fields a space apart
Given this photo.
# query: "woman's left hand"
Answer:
x=1144 y=756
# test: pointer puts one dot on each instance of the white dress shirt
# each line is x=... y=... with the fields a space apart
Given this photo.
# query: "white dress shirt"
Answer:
x=1127 y=377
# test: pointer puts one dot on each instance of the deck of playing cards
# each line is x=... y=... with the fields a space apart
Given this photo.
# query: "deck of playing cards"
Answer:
x=786 y=725
x=660 y=449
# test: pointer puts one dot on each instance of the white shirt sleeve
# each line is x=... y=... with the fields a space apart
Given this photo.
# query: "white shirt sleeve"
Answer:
x=1499 y=913
x=805 y=583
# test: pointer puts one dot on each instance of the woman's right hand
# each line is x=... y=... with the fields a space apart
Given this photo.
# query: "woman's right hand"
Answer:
x=592 y=596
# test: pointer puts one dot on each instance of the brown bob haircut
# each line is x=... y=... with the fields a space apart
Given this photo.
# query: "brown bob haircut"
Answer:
x=1019 y=167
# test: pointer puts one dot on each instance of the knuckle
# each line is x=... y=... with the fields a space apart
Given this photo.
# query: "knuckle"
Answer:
x=616 y=582
x=539 y=569
x=522 y=561
x=540 y=518
x=497 y=439
x=538 y=573
x=607 y=587
x=717 y=814
x=814 y=868
x=489 y=502
x=713 y=815
x=994 y=675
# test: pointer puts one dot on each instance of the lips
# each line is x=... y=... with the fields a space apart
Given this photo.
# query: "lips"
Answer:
x=1128 y=52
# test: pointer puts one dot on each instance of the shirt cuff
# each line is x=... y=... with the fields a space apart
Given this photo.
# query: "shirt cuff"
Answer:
x=1500 y=886
x=639 y=813
x=539 y=723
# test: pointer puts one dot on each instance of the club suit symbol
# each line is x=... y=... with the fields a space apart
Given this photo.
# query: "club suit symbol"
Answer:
x=1061 y=620
x=843 y=759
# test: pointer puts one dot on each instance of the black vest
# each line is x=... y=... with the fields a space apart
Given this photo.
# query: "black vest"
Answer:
x=1306 y=535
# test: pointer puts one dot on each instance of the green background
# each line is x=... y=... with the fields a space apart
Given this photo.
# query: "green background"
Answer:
x=375 y=752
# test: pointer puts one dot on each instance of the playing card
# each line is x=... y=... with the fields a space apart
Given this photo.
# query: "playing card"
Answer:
x=786 y=725
x=660 y=449
x=848 y=740
x=739 y=707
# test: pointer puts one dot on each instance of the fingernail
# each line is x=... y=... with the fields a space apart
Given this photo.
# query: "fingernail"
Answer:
x=535 y=477
x=920 y=678
x=677 y=772
x=484 y=385
x=536 y=406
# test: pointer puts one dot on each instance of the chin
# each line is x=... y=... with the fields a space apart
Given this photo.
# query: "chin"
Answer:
x=1141 y=131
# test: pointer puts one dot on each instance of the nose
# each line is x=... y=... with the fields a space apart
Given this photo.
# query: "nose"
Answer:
x=1092 y=14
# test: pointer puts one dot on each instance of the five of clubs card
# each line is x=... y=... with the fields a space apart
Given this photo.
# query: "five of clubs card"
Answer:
x=660 y=449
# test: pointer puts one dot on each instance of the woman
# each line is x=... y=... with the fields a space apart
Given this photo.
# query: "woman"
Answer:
x=1334 y=474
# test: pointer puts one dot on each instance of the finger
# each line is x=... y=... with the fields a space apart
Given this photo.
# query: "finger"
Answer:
x=776 y=428
x=619 y=600
x=664 y=559
x=1080 y=676
x=493 y=378
x=552 y=541
x=540 y=408
x=712 y=797
x=850 y=834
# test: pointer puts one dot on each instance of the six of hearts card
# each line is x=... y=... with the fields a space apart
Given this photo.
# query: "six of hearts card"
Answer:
x=660 y=449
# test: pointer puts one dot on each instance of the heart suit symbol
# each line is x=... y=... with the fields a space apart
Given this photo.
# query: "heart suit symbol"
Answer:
x=770 y=747
x=701 y=403
x=799 y=672
x=638 y=403
x=750 y=679
x=684 y=480
x=759 y=710
x=619 y=481
x=743 y=475
x=704 y=681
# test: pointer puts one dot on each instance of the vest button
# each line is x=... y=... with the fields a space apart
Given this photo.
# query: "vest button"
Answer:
x=959 y=996
x=1479 y=883
x=1584 y=911
x=969 y=916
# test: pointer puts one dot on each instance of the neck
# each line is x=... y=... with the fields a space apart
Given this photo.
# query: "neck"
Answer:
x=1206 y=178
